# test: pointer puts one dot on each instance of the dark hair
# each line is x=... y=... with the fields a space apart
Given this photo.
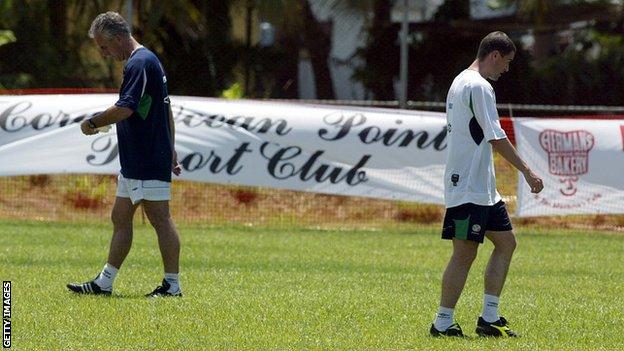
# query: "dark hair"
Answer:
x=495 y=41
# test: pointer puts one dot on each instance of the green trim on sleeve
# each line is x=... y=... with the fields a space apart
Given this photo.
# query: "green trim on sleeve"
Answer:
x=144 y=106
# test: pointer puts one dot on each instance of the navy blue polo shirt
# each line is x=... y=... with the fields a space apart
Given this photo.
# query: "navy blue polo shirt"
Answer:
x=144 y=139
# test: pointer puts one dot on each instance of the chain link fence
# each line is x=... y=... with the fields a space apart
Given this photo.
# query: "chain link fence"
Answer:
x=90 y=198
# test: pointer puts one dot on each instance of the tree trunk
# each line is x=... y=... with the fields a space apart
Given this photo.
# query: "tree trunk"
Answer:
x=382 y=52
x=58 y=27
x=543 y=47
x=217 y=44
x=287 y=86
x=317 y=39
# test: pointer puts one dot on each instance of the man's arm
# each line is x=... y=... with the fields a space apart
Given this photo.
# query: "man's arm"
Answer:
x=112 y=115
x=509 y=153
x=172 y=127
x=175 y=166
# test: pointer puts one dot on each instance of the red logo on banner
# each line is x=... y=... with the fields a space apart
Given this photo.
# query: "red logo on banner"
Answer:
x=568 y=155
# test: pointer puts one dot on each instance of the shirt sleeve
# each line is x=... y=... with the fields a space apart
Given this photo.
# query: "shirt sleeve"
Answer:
x=133 y=86
x=483 y=104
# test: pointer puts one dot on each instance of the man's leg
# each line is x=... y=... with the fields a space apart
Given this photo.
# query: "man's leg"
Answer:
x=490 y=323
x=168 y=241
x=456 y=273
x=496 y=271
x=453 y=280
x=498 y=265
x=121 y=216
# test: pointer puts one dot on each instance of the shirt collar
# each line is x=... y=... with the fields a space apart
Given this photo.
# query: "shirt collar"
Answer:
x=135 y=50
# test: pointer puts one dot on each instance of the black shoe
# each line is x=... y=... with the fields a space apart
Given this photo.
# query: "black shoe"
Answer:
x=88 y=288
x=163 y=291
x=499 y=328
x=453 y=330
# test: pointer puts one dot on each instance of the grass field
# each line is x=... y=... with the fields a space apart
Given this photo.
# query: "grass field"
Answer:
x=262 y=289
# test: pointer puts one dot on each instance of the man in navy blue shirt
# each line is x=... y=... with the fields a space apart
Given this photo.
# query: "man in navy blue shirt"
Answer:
x=145 y=135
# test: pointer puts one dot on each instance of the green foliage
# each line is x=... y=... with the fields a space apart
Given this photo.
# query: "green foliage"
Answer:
x=6 y=36
x=588 y=72
x=192 y=39
x=233 y=92
x=380 y=55
x=49 y=49
x=437 y=54
x=441 y=53
x=251 y=289
x=195 y=42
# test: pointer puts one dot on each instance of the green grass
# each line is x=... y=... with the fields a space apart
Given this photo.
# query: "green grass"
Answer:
x=262 y=289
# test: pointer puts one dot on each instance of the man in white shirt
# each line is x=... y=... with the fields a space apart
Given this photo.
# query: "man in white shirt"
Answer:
x=474 y=208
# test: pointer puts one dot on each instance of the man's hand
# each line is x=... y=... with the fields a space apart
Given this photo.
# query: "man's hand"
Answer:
x=86 y=128
x=534 y=181
x=176 y=168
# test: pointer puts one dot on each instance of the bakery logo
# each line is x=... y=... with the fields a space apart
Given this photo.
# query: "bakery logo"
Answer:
x=568 y=155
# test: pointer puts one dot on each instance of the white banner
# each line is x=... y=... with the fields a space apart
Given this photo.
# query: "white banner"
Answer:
x=379 y=153
x=581 y=162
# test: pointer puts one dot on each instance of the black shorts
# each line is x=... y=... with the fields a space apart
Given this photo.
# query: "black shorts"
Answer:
x=470 y=221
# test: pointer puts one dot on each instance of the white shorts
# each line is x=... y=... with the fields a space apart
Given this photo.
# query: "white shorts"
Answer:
x=137 y=190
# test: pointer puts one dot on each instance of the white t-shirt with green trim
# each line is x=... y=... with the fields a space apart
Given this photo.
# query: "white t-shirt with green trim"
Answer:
x=472 y=121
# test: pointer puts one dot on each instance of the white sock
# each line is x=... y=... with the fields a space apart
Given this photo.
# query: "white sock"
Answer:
x=490 y=308
x=444 y=318
x=106 y=278
x=173 y=280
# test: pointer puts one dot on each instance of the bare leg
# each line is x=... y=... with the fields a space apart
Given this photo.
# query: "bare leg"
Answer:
x=456 y=273
x=168 y=239
x=122 y=214
x=498 y=265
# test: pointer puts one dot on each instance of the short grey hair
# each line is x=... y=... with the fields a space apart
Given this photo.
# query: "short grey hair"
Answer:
x=109 y=25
